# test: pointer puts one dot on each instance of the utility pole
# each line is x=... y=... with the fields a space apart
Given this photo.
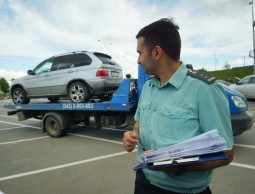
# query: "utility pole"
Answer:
x=215 y=59
x=253 y=23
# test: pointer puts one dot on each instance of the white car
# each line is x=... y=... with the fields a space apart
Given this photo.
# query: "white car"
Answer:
x=245 y=86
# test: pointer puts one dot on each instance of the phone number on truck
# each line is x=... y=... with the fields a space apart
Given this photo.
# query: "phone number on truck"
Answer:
x=72 y=106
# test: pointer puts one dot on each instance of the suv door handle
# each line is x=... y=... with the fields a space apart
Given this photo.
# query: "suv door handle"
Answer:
x=70 y=71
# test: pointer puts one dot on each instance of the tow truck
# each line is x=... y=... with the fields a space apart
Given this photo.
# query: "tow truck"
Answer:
x=57 y=118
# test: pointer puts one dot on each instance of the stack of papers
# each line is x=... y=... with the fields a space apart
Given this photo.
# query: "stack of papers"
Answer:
x=206 y=143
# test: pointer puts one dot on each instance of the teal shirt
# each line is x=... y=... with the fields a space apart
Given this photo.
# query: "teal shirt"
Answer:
x=181 y=109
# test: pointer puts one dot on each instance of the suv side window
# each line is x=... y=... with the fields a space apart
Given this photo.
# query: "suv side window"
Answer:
x=63 y=62
x=82 y=60
x=252 y=80
x=44 y=66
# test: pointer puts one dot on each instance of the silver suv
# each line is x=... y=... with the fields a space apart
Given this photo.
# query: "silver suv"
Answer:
x=77 y=75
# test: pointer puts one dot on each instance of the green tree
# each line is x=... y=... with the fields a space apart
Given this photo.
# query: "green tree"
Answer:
x=203 y=70
x=4 y=85
x=226 y=66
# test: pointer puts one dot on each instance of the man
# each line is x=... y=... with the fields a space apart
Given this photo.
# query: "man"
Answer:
x=175 y=105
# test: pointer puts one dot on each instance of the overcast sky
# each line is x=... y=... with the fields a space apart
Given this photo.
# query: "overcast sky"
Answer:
x=213 y=32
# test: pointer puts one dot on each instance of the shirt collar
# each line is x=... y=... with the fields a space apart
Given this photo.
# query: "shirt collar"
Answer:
x=176 y=80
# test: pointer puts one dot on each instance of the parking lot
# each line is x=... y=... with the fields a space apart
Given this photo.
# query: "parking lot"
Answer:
x=93 y=161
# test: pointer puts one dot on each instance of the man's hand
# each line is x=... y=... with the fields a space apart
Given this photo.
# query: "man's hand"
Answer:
x=130 y=140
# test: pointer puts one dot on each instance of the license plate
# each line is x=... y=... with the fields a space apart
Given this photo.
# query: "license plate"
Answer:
x=115 y=74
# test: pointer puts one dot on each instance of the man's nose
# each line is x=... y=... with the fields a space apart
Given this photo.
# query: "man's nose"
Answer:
x=138 y=61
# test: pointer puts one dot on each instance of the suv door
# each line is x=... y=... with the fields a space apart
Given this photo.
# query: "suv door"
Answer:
x=62 y=72
x=37 y=84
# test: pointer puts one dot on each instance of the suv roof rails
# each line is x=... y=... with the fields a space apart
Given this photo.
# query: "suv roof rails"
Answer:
x=69 y=53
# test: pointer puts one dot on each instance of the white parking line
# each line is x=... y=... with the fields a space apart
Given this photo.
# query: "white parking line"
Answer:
x=62 y=166
x=112 y=129
x=10 y=128
x=20 y=125
x=96 y=138
x=242 y=165
x=245 y=146
x=23 y=140
x=15 y=117
x=107 y=128
x=8 y=116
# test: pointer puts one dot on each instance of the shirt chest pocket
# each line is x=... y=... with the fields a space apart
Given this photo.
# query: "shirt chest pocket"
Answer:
x=172 y=121
x=145 y=114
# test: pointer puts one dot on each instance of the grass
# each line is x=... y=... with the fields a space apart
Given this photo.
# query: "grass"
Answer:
x=236 y=72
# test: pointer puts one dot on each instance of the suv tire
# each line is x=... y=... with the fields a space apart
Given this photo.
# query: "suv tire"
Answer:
x=78 y=92
x=19 y=96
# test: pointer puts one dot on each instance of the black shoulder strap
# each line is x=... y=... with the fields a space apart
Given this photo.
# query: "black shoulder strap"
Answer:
x=202 y=76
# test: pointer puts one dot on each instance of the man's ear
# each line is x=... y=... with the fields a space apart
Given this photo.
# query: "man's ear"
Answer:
x=157 y=52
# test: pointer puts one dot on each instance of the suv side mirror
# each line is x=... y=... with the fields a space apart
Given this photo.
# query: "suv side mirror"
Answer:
x=30 y=72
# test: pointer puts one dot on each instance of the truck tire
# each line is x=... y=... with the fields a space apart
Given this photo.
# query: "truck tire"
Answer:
x=53 y=127
x=19 y=96
x=78 y=92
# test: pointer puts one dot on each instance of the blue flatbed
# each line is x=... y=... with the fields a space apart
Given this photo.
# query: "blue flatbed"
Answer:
x=57 y=118
x=121 y=101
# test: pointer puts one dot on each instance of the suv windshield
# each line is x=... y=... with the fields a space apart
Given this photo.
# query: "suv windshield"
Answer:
x=45 y=66
x=106 y=59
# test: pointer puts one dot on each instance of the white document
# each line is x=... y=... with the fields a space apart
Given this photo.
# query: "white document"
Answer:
x=209 y=142
x=180 y=160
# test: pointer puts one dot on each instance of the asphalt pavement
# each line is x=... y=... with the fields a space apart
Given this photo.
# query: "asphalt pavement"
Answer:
x=93 y=161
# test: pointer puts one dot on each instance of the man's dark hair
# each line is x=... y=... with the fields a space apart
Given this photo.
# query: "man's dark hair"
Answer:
x=163 y=33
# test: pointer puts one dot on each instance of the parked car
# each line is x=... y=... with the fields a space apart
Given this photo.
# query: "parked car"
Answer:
x=232 y=79
x=246 y=86
x=242 y=119
x=223 y=82
x=76 y=75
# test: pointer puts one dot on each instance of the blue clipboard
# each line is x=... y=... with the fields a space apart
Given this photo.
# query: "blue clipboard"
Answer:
x=202 y=158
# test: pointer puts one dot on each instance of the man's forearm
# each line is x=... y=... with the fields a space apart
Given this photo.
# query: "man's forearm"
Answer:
x=200 y=166
x=212 y=164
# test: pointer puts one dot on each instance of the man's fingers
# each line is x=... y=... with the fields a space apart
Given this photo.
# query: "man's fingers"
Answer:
x=129 y=141
x=129 y=149
x=148 y=151
x=130 y=137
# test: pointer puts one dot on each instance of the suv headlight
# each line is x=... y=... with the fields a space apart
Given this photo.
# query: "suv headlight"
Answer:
x=239 y=102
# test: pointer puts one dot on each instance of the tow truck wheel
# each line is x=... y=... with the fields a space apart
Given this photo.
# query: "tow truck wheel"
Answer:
x=53 y=127
x=78 y=92
x=19 y=96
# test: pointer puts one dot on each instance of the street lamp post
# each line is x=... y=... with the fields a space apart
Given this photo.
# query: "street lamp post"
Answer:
x=253 y=23
x=105 y=45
